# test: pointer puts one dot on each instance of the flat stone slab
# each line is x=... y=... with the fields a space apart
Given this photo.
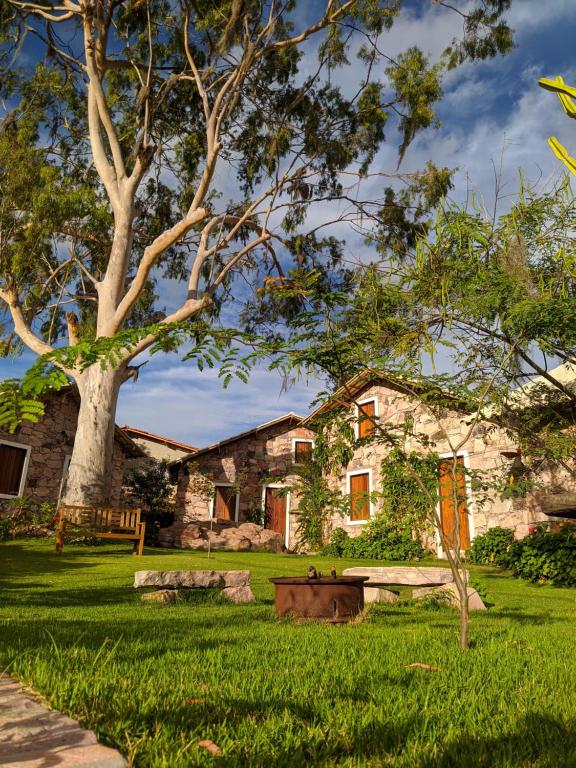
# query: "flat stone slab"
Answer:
x=33 y=736
x=412 y=576
x=192 y=579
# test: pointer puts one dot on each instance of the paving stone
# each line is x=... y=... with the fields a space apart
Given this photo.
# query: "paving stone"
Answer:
x=33 y=736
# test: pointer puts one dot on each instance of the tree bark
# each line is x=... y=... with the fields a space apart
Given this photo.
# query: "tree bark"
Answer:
x=89 y=480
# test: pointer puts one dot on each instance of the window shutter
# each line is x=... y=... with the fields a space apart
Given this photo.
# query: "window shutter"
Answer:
x=366 y=413
x=302 y=450
x=359 y=496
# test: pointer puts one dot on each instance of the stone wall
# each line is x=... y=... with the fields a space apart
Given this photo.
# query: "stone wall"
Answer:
x=51 y=440
x=481 y=452
x=248 y=463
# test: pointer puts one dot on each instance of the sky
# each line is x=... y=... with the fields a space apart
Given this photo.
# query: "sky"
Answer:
x=494 y=115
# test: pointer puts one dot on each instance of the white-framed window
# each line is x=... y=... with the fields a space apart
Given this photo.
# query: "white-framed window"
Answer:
x=366 y=412
x=359 y=488
x=301 y=448
x=225 y=503
x=14 y=460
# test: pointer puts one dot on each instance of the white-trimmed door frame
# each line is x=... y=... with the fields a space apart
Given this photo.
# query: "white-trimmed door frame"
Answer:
x=24 y=475
x=352 y=473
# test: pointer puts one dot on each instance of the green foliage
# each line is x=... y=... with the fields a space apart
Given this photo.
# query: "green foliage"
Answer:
x=26 y=517
x=409 y=489
x=317 y=503
x=150 y=487
x=379 y=540
x=547 y=558
x=492 y=547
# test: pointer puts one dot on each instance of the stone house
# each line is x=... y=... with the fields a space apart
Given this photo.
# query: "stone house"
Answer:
x=34 y=460
x=240 y=479
x=157 y=447
x=488 y=451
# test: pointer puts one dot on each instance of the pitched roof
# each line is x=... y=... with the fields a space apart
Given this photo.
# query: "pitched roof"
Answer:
x=348 y=391
x=287 y=417
x=135 y=432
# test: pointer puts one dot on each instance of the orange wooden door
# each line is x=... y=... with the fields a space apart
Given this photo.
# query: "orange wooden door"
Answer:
x=225 y=502
x=359 y=496
x=447 y=503
x=275 y=508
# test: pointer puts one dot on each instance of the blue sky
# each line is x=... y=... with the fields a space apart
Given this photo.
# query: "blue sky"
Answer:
x=492 y=112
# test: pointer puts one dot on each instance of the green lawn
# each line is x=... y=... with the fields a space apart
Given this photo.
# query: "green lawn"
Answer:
x=154 y=680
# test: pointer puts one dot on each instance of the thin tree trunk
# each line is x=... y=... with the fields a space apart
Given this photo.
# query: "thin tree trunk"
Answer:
x=89 y=480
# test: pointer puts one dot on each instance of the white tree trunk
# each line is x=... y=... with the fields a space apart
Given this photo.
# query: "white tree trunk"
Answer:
x=89 y=480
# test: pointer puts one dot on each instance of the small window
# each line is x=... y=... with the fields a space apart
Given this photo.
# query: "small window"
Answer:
x=303 y=450
x=13 y=467
x=226 y=501
x=359 y=489
x=366 y=414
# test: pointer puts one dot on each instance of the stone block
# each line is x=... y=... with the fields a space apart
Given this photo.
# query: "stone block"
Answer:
x=238 y=594
x=449 y=592
x=161 y=596
x=412 y=576
x=379 y=595
x=191 y=579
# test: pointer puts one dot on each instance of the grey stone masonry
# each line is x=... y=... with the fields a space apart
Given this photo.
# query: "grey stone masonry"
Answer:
x=33 y=736
x=192 y=579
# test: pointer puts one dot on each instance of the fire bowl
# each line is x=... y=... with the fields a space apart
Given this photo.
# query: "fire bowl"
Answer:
x=334 y=599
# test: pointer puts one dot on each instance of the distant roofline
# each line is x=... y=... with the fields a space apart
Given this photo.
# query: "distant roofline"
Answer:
x=201 y=451
x=137 y=432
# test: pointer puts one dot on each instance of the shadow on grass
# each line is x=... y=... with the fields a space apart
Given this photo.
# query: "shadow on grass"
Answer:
x=537 y=740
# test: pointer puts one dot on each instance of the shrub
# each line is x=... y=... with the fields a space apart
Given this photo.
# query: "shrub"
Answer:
x=546 y=557
x=150 y=486
x=492 y=547
x=380 y=540
x=25 y=517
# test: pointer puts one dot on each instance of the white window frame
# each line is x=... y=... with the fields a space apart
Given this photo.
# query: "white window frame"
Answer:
x=287 y=497
x=23 y=476
x=213 y=500
x=300 y=440
x=353 y=473
x=357 y=413
x=470 y=504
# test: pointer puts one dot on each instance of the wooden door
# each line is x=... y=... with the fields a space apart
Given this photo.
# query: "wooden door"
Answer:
x=447 y=505
x=360 y=496
x=275 y=512
x=225 y=502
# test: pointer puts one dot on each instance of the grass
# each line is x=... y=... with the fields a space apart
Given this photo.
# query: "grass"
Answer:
x=154 y=680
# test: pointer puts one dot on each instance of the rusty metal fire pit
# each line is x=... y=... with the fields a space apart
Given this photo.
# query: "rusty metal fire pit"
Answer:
x=326 y=598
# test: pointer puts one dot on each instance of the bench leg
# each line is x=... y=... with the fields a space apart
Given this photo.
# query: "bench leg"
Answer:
x=141 y=545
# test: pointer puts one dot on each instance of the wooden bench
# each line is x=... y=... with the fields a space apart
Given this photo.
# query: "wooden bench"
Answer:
x=101 y=523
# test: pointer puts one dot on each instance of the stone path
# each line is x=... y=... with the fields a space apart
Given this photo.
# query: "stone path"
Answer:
x=32 y=736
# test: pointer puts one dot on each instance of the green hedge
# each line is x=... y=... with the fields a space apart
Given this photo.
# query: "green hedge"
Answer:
x=546 y=557
x=379 y=540
x=541 y=557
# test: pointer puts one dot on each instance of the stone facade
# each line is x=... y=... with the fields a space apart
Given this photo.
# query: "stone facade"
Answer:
x=51 y=441
x=248 y=464
x=482 y=454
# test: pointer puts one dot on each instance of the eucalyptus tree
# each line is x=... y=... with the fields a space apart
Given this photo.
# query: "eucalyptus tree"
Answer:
x=151 y=139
